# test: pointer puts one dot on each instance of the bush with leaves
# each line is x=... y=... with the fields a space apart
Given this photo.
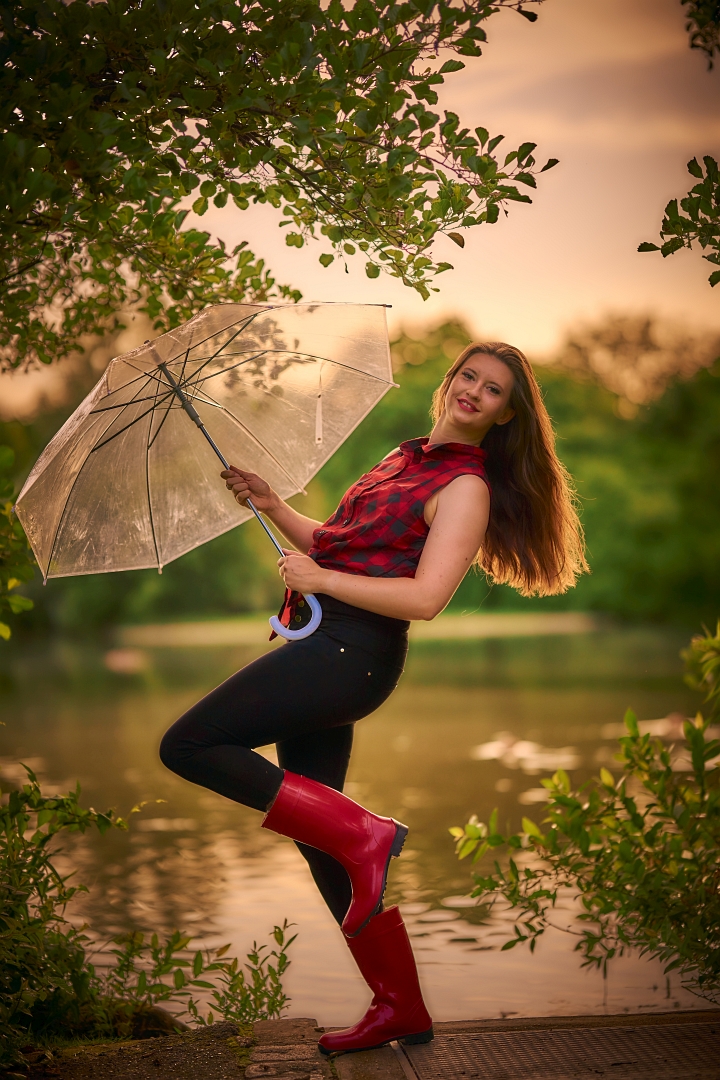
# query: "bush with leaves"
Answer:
x=51 y=991
x=116 y=117
x=145 y=973
x=639 y=855
x=45 y=983
x=17 y=563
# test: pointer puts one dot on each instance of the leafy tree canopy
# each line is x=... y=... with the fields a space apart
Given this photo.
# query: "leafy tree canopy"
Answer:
x=697 y=218
x=117 y=116
x=703 y=26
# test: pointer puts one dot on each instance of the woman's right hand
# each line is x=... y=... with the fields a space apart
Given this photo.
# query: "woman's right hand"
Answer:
x=247 y=485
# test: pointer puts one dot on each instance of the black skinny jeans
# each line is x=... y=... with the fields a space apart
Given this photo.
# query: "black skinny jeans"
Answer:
x=305 y=698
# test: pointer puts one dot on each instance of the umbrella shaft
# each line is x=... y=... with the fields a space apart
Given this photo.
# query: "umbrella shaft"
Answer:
x=193 y=414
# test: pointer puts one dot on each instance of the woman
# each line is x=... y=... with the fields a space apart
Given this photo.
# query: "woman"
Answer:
x=396 y=549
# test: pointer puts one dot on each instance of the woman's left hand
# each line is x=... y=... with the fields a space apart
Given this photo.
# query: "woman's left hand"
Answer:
x=302 y=573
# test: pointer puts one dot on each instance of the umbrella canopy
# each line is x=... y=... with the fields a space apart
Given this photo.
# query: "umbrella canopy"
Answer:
x=129 y=482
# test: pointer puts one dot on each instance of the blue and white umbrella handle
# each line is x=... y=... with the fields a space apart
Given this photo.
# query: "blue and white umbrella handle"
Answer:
x=305 y=631
x=314 y=603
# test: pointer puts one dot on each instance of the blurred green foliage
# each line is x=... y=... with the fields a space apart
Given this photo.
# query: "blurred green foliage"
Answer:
x=646 y=477
x=16 y=559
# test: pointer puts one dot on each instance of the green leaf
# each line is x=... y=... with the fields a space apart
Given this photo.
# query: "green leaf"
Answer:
x=531 y=828
x=714 y=278
x=607 y=779
x=451 y=65
x=467 y=847
x=19 y=603
x=695 y=169
x=372 y=270
x=631 y=723
x=550 y=164
x=5 y=631
x=648 y=247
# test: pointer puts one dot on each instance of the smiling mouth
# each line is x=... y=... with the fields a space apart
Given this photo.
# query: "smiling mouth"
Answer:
x=466 y=405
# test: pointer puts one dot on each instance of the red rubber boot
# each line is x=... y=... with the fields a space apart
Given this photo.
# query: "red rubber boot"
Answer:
x=397 y=1011
x=362 y=842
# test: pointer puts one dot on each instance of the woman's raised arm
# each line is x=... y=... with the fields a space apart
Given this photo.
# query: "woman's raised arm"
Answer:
x=455 y=537
x=295 y=527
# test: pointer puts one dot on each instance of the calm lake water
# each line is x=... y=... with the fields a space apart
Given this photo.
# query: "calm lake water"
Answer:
x=473 y=725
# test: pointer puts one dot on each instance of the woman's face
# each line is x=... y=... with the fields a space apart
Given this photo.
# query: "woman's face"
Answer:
x=479 y=396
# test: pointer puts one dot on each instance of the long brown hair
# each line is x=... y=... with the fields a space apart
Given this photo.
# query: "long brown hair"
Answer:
x=534 y=539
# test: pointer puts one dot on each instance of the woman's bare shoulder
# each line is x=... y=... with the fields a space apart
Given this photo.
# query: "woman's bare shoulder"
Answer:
x=468 y=490
x=465 y=483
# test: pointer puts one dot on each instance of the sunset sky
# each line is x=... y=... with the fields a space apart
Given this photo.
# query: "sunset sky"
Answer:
x=612 y=89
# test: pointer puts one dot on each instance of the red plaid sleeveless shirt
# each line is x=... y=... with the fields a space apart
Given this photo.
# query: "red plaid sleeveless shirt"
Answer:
x=379 y=528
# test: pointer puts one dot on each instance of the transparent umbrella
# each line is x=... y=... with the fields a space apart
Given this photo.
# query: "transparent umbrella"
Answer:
x=131 y=479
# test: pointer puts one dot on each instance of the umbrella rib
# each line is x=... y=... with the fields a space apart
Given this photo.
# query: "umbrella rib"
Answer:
x=245 y=323
x=62 y=516
x=143 y=375
x=310 y=356
x=123 y=429
x=124 y=404
x=148 y=444
x=262 y=446
x=151 y=374
x=247 y=360
x=209 y=358
x=184 y=365
x=147 y=376
x=160 y=425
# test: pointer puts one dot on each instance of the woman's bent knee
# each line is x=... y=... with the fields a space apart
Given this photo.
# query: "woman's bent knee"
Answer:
x=174 y=752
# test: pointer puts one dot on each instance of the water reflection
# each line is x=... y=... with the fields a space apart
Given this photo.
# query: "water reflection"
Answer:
x=473 y=725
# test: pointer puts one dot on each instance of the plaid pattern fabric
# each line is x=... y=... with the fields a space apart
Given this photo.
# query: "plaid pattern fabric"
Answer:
x=379 y=529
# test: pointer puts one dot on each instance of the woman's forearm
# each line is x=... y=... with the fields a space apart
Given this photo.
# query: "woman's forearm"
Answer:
x=295 y=527
x=396 y=597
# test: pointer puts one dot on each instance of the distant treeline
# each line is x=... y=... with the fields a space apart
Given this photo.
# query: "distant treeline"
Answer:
x=647 y=475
